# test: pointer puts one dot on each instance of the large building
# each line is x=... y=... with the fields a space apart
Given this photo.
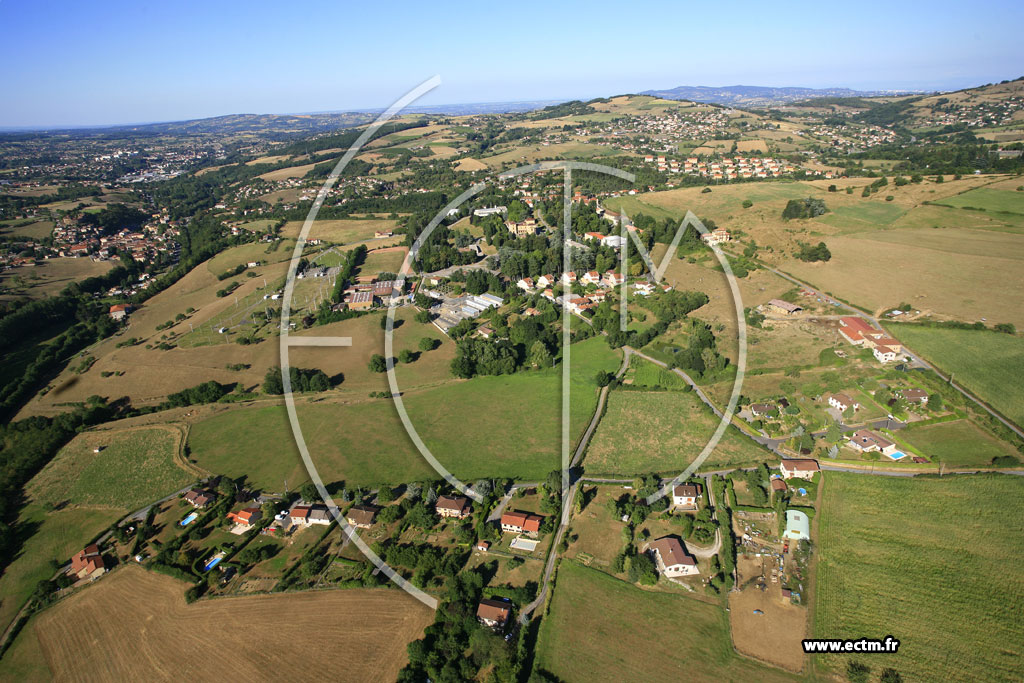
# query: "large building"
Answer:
x=453 y=506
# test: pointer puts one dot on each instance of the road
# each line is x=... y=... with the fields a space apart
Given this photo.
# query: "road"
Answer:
x=569 y=496
x=909 y=353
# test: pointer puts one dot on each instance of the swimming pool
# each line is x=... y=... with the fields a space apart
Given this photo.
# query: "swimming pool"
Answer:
x=897 y=455
x=214 y=561
x=188 y=520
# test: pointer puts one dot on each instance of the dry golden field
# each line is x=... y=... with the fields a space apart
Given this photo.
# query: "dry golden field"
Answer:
x=135 y=625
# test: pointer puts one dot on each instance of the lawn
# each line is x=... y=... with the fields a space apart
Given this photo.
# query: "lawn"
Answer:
x=504 y=426
x=134 y=467
x=382 y=261
x=662 y=432
x=957 y=444
x=49 y=536
x=606 y=623
x=932 y=562
x=989 y=364
x=988 y=199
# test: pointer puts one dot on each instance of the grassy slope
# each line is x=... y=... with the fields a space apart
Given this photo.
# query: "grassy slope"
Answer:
x=135 y=467
x=662 y=432
x=506 y=426
x=935 y=563
x=55 y=536
x=988 y=363
x=606 y=623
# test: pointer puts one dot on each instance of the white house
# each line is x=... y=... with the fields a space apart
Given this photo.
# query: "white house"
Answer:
x=644 y=288
x=546 y=281
x=672 y=559
x=569 y=277
x=884 y=354
x=613 y=279
x=525 y=284
x=842 y=402
x=613 y=241
x=591 y=277
x=685 y=496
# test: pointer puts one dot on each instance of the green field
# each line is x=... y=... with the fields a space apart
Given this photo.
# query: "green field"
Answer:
x=598 y=626
x=932 y=562
x=134 y=467
x=988 y=199
x=957 y=444
x=505 y=426
x=54 y=536
x=662 y=432
x=989 y=364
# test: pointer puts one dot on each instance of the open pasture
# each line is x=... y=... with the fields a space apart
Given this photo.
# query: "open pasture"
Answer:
x=933 y=562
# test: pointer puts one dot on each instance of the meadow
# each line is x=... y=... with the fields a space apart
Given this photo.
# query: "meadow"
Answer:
x=48 y=277
x=988 y=199
x=360 y=632
x=605 y=622
x=989 y=364
x=662 y=432
x=343 y=231
x=134 y=467
x=957 y=444
x=49 y=536
x=502 y=426
x=933 y=562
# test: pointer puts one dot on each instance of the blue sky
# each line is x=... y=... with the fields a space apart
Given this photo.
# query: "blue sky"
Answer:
x=75 y=63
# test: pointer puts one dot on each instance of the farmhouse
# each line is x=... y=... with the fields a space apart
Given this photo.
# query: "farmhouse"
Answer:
x=88 y=563
x=493 y=613
x=119 y=311
x=520 y=523
x=759 y=409
x=783 y=307
x=685 y=496
x=199 y=498
x=717 y=236
x=361 y=516
x=803 y=468
x=842 y=402
x=855 y=330
x=671 y=558
x=866 y=441
x=453 y=506
x=915 y=395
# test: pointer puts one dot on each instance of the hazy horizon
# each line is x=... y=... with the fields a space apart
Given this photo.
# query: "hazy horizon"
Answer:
x=123 y=63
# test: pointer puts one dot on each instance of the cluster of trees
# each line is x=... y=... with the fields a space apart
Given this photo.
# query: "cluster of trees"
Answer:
x=207 y=392
x=353 y=259
x=817 y=252
x=804 y=208
x=115 y=217
x=301 y=380
x=456 y=647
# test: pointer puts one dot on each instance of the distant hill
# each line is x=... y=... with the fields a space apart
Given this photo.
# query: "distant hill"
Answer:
x=758 y=96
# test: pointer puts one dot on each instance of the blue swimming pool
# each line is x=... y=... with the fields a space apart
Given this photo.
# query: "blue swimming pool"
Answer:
x=897 y=455
x=188 y=520
x=213 y=562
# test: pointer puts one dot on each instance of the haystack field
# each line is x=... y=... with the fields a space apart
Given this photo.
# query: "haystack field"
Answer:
x=135 y=625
